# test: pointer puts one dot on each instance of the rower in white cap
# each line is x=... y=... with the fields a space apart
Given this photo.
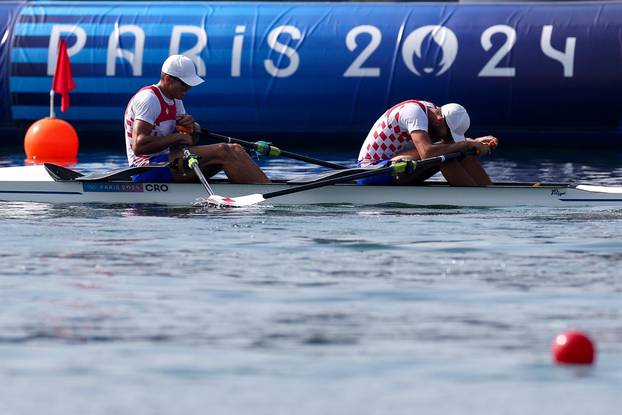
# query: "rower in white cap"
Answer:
x=414 y=130
x=151 y=119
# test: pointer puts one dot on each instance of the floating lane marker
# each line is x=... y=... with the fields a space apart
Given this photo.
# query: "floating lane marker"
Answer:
x=573 y=347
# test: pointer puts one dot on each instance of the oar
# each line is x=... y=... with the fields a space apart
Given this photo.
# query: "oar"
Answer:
x=193 y=163
x=395 y=168
x=267 y=149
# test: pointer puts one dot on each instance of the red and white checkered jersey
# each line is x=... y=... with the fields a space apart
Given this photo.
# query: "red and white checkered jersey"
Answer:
x=150 y=105
x=390 y=134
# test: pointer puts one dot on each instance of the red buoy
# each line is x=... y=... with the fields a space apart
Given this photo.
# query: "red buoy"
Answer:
x=51 y=140
x=573 y=347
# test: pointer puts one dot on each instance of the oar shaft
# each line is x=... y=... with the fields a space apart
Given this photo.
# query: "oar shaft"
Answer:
x=289 y=154
x=194 y=164
x=432 y=161
x=202 y=178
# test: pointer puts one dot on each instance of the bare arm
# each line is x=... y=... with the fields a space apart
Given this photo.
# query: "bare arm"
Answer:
x=144 y=143
x=427 y=149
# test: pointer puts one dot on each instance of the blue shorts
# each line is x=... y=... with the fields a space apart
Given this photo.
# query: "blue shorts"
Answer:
x=162 y=175
x=379 y=180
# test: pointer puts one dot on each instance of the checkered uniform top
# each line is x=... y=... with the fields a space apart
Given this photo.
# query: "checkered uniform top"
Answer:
x=390 y=134
x=150 y=105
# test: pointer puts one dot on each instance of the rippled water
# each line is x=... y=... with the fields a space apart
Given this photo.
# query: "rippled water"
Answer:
x=311 y=310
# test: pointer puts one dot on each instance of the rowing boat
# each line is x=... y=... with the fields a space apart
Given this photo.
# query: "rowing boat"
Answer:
x=53 y=184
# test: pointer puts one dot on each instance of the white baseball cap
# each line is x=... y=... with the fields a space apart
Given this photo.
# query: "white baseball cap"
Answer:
x=457 y=120
x=182 y=67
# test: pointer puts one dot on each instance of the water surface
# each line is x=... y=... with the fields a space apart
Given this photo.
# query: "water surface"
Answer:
x=315 y=309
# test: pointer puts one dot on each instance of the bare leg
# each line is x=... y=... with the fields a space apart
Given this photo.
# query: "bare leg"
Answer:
x=231 y=158
x=418 y=176
x=465 y=172
x=456 y=175
x=476 y=171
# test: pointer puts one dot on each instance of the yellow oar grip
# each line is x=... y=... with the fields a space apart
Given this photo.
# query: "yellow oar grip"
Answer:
x=266 y=149
x=192 y=161
x=404 y=166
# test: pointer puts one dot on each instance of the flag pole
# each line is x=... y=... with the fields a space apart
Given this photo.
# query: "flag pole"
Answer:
x=52 y=115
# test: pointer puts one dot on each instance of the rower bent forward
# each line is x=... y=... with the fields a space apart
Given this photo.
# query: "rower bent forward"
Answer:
x=414 y=130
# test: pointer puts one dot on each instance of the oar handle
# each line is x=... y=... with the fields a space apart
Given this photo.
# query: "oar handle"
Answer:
x=265 y=148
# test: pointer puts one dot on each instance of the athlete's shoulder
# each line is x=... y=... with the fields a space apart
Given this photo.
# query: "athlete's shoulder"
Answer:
x=428 y=104
x=411 y=104
x=145 y=93
x=145 y=97
x=415 y=107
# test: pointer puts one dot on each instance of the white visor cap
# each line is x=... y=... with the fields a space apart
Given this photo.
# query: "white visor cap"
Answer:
x=457 y=120
x=182 y=67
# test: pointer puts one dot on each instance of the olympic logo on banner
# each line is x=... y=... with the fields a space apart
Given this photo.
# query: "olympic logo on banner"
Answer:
x=446 y=43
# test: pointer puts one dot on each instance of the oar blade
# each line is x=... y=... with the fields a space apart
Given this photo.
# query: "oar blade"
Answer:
x=242 y=201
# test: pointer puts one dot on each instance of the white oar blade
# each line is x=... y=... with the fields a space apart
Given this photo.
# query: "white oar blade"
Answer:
x=240 y=201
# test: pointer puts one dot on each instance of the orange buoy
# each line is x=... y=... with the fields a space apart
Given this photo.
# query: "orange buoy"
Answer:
x=51 y=140
x=573 y=347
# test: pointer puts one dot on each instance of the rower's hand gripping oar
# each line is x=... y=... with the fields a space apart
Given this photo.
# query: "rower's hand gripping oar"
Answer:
x=396 y=168
x=267 y=149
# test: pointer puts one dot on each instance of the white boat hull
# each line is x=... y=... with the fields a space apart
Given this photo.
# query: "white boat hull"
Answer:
x=33 y=184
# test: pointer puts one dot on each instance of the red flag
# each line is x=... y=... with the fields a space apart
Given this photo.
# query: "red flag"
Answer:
x=63 y=81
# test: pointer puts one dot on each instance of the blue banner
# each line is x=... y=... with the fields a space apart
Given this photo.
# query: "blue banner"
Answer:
x=8 y=13
x=330 y=68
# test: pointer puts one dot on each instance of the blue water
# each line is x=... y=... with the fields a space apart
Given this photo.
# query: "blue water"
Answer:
x=312 y=310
